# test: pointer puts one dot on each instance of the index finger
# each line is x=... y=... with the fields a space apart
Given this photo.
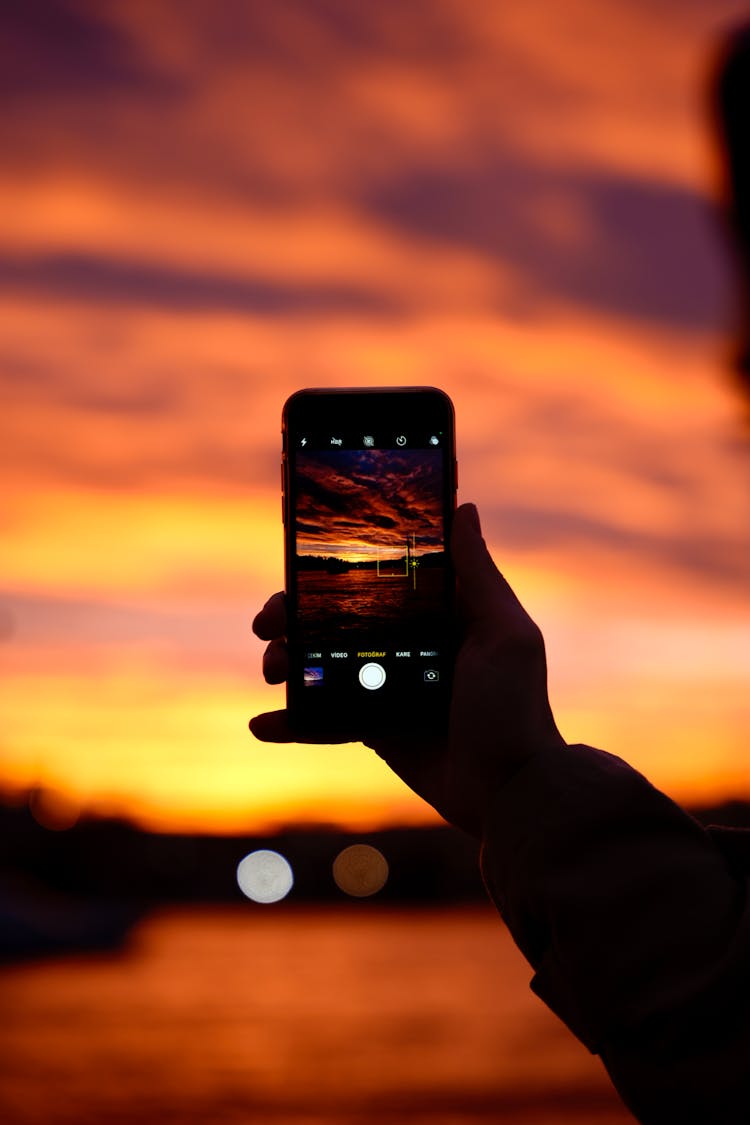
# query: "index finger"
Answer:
x=270 y=623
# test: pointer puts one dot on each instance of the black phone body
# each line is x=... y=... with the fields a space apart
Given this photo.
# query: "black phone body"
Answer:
x=369 y=482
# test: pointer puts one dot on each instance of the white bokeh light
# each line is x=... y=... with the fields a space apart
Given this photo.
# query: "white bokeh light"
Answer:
x=265 y=876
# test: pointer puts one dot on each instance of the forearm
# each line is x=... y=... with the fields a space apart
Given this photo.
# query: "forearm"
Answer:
x=632 y=920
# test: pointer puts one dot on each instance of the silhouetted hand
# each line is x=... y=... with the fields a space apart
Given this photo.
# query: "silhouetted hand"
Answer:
x=500 y=714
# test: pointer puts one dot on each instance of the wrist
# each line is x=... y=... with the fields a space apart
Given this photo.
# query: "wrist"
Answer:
x=494 y=789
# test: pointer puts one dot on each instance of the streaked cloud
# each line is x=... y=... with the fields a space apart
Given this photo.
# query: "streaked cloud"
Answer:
x=79 y=278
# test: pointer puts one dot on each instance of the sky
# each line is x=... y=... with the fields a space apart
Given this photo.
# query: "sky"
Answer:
x=206 y=206
x=357 y=505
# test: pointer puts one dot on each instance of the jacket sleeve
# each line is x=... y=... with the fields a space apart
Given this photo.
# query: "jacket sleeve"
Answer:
x=636 y=922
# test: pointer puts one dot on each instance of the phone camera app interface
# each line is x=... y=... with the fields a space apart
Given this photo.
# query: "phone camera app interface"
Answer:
x=370 y=562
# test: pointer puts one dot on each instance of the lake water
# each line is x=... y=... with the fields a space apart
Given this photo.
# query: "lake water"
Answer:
x=360 y=600
x=307 y=1016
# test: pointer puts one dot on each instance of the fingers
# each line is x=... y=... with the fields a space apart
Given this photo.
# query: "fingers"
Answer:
x=273 y=726
x=275 y=662
x=483 y=590
x=270 y=625
x=271 y=621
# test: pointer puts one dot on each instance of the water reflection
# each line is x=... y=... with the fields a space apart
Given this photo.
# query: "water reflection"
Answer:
x=298 y=1015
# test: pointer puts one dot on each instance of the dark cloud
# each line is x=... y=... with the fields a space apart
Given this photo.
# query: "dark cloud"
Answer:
x=648 y=250
x=310 y=530
x=64 y=47
x=385 y=522
x=101 y=280
x=320 y=492
x=534 y=528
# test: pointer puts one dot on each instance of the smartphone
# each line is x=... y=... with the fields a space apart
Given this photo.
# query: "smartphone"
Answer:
x=369 y=489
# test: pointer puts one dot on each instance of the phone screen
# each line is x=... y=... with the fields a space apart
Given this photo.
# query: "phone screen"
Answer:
x=369 y=491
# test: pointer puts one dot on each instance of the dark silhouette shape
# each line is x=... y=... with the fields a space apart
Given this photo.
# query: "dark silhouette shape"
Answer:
x=732 y=101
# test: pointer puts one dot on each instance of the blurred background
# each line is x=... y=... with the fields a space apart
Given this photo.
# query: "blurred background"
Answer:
x=206 y=206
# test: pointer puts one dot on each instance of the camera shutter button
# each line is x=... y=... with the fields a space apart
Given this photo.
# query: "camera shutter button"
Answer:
x=372 y=676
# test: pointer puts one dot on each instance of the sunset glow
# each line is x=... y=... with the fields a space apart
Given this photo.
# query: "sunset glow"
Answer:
x=203 y=212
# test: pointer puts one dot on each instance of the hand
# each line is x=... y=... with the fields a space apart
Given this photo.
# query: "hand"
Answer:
x=500 y=714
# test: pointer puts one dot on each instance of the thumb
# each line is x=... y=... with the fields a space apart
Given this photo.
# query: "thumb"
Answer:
x=482 y=589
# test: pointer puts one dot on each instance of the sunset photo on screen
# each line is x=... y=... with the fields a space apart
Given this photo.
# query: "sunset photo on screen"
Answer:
x=370 y=542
